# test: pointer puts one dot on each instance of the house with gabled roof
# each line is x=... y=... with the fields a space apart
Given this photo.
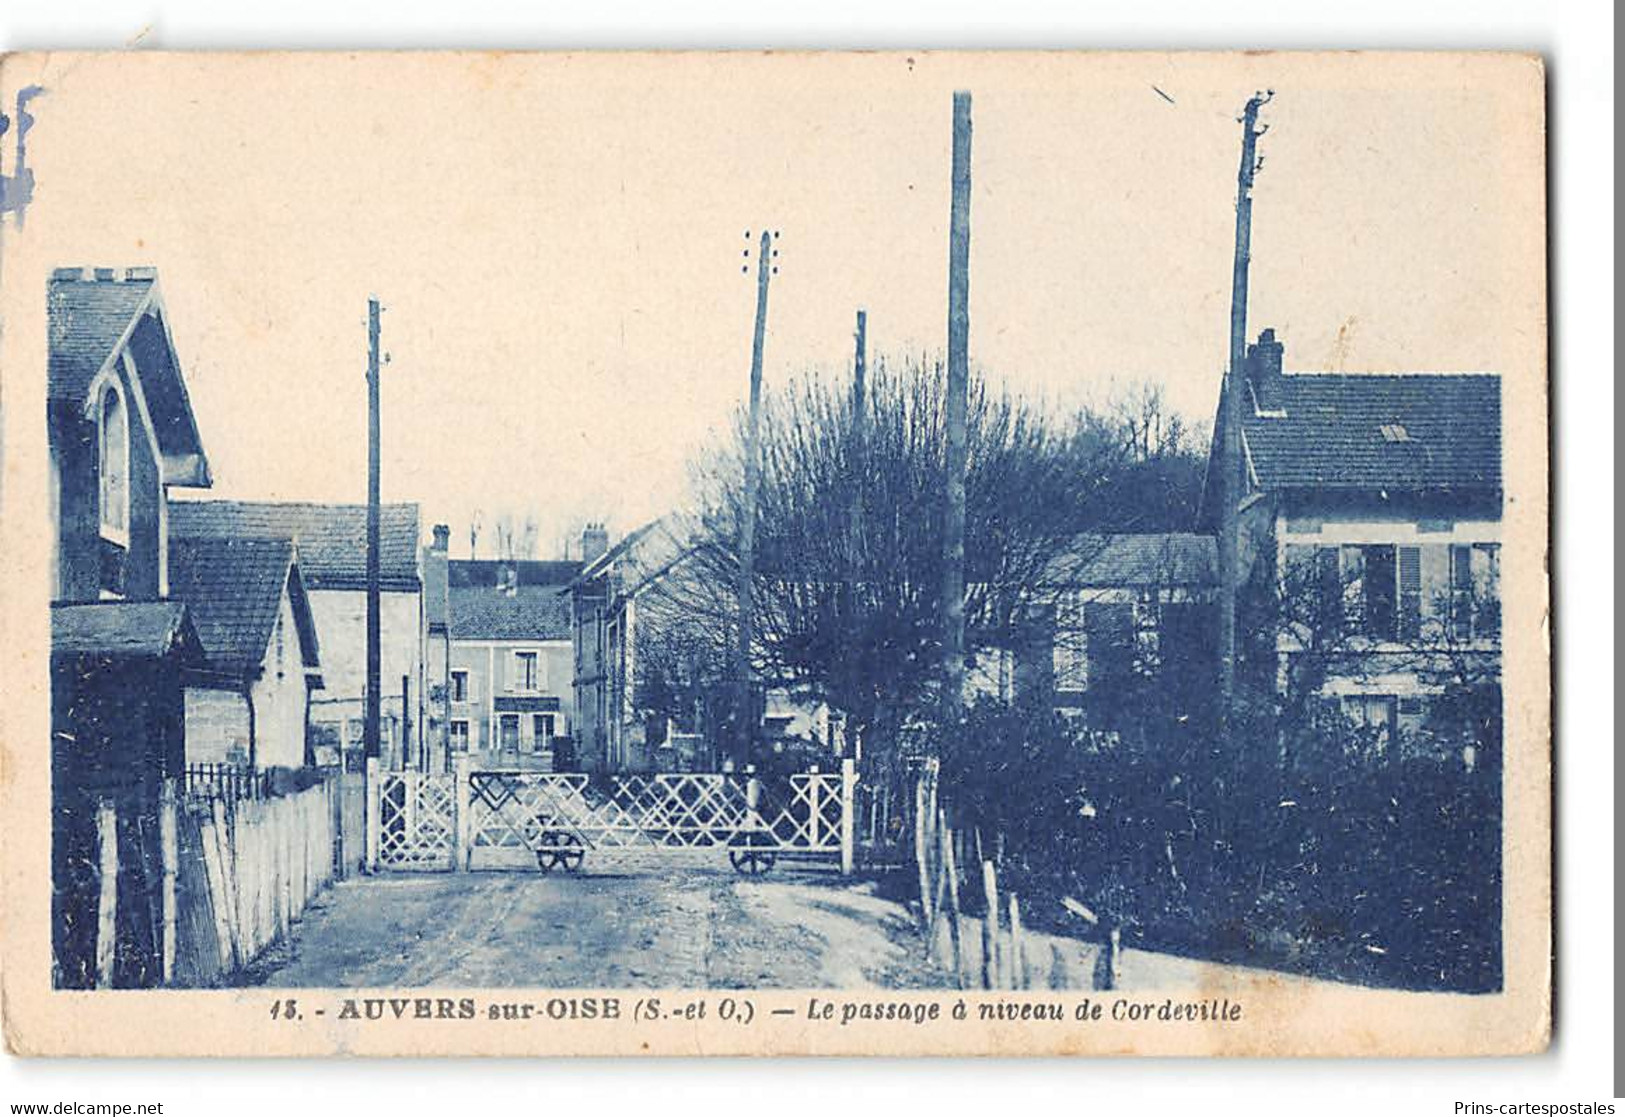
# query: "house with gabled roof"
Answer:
x=250 y=702
x=1370 y=531
x=331 y=542
x=121 y=435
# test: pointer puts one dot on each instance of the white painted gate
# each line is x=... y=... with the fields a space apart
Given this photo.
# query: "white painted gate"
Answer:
x=509 y=819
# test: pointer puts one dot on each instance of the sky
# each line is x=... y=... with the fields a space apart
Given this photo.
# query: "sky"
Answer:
x=558 y=242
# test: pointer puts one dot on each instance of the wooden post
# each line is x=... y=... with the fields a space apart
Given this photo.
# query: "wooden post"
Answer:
x=1232 y=487
x=745 y=729
x=462 y=849
x=107 y=902
x=956 y=406
x=814 y=785
x=990 y=927
x=951 y=868
x=287 y=823
x=1018 y=946
x=374 y=813
x=169 y=847
x=849 y=784
x=919 y=852
x=219 y=892
x=374 y=693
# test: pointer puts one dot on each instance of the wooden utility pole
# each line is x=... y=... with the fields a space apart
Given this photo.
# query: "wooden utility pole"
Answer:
x=744 y=677
x=374 y=697
x=1232 y=487
x=956 y=406
x=854 y=521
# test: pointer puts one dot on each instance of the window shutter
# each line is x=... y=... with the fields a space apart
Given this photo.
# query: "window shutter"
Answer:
x=1435 y=580
x=1410 y=592
x=1461 y=591
x=1486 y=564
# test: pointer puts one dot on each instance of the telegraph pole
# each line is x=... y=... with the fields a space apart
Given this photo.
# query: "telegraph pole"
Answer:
x=956 y=406
x=1233 y=485
x=374 y=696
x=745 y=730
x=858 y=472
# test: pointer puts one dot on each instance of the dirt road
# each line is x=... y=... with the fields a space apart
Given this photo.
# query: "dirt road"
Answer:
x=623 y=926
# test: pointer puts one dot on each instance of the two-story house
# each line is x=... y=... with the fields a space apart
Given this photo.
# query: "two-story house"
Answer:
x=510 y=682
x=1370 y=531
x=121 y=435
x=331 y=542
x=617 y=588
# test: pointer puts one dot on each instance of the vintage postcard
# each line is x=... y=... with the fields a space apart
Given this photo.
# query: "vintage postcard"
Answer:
x=751 y=553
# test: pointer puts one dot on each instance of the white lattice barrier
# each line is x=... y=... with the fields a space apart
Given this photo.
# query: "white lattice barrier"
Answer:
x=417 y=820
x=528 y=819
x=810 y=817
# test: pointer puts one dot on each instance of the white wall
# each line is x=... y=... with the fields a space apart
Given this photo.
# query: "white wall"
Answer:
x=279 y=697
x=341 y=632
x=216 y=727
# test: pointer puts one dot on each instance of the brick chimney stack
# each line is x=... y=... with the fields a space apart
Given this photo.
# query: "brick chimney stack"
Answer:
x=435 y=576
x=594 y=542
x=1264 y=373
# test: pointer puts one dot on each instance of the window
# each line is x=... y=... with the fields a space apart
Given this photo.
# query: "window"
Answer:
x=509 y=725
x=542 y=725
x=1070 y=659
x=1410 y=592
x=1394 y=432
x=1487 y=590
x=1381 y=596
x=459 y=686
x=1369 y=589
x=113 y=463
x=459 y=735
x=1374 y=716
x=1475 y=591
x=524 y=671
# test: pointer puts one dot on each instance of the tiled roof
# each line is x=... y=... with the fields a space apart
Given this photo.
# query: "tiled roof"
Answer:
x=122 y=629
x=489 y=572
x=1438 y=431
x=1154 y=559
x=531 y=612
x=331 y=538
x=88 y=319
x=233 y=590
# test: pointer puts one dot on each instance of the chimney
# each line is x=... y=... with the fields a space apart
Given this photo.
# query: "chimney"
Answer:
x=594 y=542
x=436 y=597
x=1264 y=372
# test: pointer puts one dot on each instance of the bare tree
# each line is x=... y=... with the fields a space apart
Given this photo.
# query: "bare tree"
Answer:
x=857 y=622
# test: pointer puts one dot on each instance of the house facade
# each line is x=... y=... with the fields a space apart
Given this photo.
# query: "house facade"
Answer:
x=510 y=678
x=121 y=435
x=331 y=542
x=250 y=703
x=1370 y=534
x=1122 y=625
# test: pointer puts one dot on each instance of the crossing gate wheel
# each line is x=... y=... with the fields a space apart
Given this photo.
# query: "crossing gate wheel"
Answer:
x=559 y=847
x=752 y=853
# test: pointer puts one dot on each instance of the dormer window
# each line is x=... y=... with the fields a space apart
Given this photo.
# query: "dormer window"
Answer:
x=114 y=467
x=1394 y=432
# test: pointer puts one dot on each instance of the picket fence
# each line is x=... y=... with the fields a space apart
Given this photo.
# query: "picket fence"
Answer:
x=993 y=950
x=231 y=874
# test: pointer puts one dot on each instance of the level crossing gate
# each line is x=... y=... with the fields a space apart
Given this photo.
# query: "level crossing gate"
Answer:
x=517 y=819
